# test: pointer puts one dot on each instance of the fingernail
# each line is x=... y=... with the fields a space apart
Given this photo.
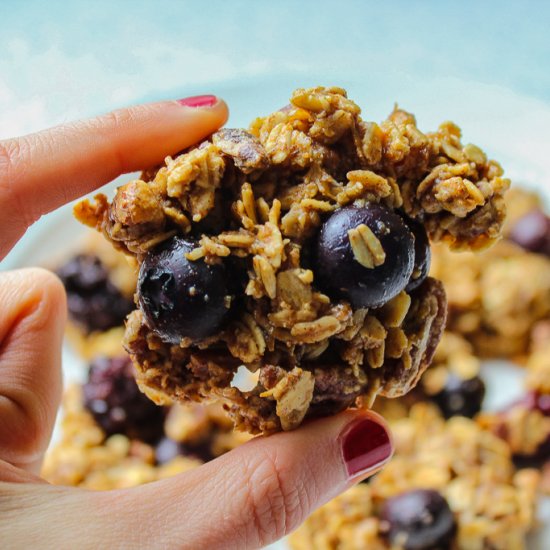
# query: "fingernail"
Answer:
x=198 y=101
x=366 y=445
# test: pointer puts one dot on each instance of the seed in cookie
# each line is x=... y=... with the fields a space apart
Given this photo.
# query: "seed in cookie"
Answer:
x=365 y=255
x=113 y=398
x=182 y=298
x=422 y=254
x=460 y=397
x=418 y=520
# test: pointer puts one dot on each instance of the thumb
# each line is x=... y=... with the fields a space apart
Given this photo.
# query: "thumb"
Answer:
x=32 y=319
x=247 y=498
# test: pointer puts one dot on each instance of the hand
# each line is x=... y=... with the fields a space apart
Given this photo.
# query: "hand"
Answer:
x=245 y=499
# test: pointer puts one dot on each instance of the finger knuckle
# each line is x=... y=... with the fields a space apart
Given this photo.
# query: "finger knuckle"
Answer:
x=119 y=118
x=12 y=151
x=108 y=126
x=277 y=496
x=6 y=155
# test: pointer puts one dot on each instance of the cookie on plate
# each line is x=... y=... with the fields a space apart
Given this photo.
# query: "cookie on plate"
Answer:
x=496 y=298
x=113 y=436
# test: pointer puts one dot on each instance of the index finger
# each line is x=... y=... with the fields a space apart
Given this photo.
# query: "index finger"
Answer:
x=42 y=171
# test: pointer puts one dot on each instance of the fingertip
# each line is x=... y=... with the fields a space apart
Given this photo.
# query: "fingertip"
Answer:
x=223 y=110
x=366 y=445
x=208 y=112
x=33 y=290
x=47 y=292
x=207 y=104
x=146 y=134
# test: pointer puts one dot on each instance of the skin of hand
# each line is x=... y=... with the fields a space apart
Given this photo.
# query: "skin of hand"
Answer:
x=248 y=497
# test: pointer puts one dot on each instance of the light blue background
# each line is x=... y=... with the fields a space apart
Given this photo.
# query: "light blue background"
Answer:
x=61 y=60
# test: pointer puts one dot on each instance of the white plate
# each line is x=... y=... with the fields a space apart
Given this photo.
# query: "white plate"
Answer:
x=510 y=127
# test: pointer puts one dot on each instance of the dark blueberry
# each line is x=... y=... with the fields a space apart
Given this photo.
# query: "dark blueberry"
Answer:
x=535 y=460
x=460 y=397
x=540 y=402
x=93 y=301
x=338 y=269
x=543 y=403
x=422 y=254
x=238 y=280
x=532 y=401
x=116 y=403
x=418 y=520
x=532 y=232
x=182 y=298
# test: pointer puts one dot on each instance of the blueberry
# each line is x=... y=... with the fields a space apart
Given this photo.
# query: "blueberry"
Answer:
x=113 y=398
x=422 y=254
x=180 y=298
x=418 y=520
x=460 y=397
x=342 y=272
x=534 y=401
x=542 y=403
x=538 y=402
x=93 y=301
x=532 y=232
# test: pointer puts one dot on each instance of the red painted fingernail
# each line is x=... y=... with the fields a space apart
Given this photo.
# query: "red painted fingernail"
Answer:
x=199 y=101
x=366 y=445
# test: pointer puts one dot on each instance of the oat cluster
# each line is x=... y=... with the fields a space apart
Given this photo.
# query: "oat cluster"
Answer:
x=260 y=197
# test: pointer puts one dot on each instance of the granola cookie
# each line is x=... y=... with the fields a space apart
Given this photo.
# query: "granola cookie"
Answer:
x=525 y=424
x=298 y=249
x=113 y=436
x=100 y=283
x=496 y=298
x=450 y=486
x=85 y=456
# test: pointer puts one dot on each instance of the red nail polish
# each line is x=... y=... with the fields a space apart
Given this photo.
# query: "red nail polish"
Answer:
x=199 y=101
x=365 y=446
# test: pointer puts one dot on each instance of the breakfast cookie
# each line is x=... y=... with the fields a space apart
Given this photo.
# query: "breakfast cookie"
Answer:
x=299 y=249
